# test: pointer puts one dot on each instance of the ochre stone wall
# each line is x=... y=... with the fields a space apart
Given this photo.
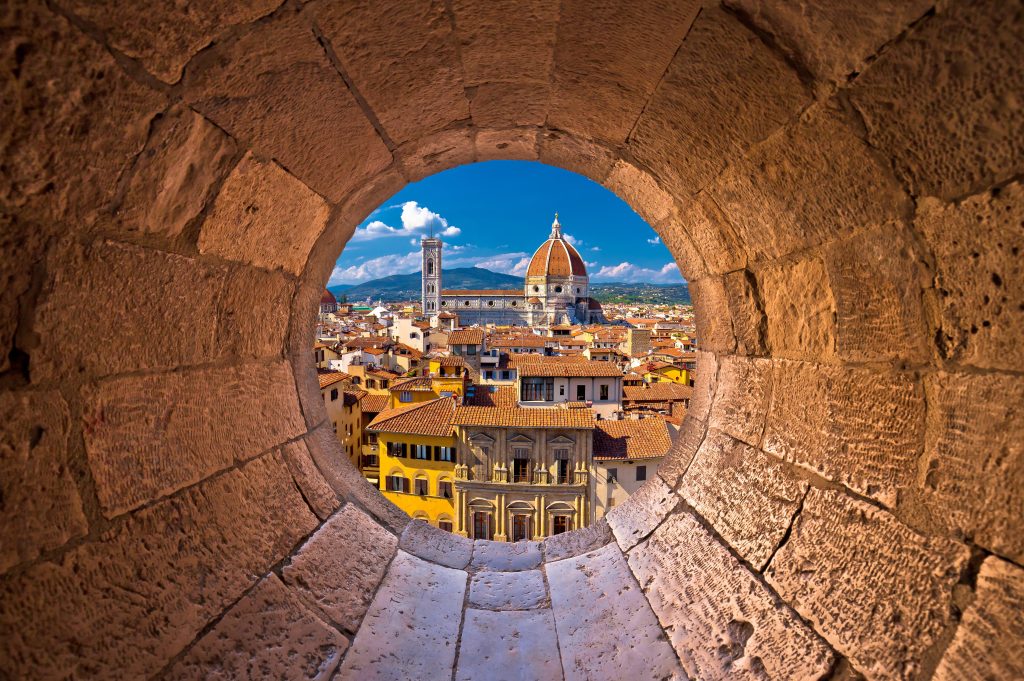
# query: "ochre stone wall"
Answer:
x=838 y=181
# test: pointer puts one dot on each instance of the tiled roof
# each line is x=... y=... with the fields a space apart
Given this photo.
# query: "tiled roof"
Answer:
x=527 y=341
x=327 y=378
x=631 y=439
x=466 y=337
x=427 y=418
x=493 y=292
x=352 y=397
x=493 y=396
x=518 y=417
x=568 y=366
x=415 y=383
x=556 y=258
x=656 y=392
x=374 y=404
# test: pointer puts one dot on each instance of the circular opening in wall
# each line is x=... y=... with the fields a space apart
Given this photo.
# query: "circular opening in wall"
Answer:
x=558 y=289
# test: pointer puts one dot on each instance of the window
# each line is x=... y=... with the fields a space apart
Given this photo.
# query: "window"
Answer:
x=405 y=396
x=398 y=449
x=482 y=525
x=370 y=383
x=335 y=426
x=334 y=394
x=443 y=453
x=536 y=289
x=560 y=524
x=421 y=452
x=641 y=473
x=604 y=392
x=421 y=487
x=562 y=471
x=506 y=375
x=537 y=389
x=561 y=391
x=470 y=349
x=430 y=267
x=490 y=303
x=444 y=303
x=445 y=525
x=397 y=483
x=521 y=527
x=489 y=375
x=558 y=289
x=581 y=392
x=513 y=303
x=466 y=303
x=613 y=475
x=521 y=466
x=444 y=489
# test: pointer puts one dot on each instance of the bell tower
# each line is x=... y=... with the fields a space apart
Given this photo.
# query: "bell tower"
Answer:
x=431 y=275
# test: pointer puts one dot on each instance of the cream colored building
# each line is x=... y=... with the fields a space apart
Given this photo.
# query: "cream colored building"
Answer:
x=626 y=455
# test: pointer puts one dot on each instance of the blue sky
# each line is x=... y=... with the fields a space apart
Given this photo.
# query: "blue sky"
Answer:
x=495 y=215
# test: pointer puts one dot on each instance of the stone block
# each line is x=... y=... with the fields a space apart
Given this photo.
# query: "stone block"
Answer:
x=943 y=102
x=507 y=145
x=692 y=126
x=813 y=182
x=318 y=494
x=877 y=279
x=636 y=517
x=705 y=383
x=711 y=312
x=800 y=309
x=150 y=435
x=506 y=41
x=723 y=622
x=505 y=556
x=341 y=565
x=747 y=496
x=577 y=154
x=712 y=234
x=979 y=277
x=684 y=448
x=124 y=606
x=175 y=176
x=521 y=590
x=747 y=311
x=29 y=241
x=972 y=473
x=40 y=508
x=606 y=629
x=275 y=89
x=873 y=588
x=609 y=57
x=166 y=37
x=425 y=541
x=402 y=59
x=577 y=542
x=417 y=639
x=265 y=217
x=742 y=398
x=252 y=313
x=168 y=293
x=509 y=105
x=834 y=40
x=987 y=641
x=73 y=120
x=437 y=153
x=508 y=646
x=689 y=259
x=640 y=191
x=269 y=633
x=860 y=427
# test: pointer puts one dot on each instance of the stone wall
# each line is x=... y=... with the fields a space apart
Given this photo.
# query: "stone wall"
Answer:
x=839 y=183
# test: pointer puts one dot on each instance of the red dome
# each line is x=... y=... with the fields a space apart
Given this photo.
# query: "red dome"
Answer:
x=328 y=298
x=556 y=257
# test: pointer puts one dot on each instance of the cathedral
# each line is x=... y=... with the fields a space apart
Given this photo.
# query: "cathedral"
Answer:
x=556 y=290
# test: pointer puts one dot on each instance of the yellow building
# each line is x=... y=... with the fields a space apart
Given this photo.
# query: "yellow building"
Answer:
x=663 y=372
x=416 y=451
x=409 y=391
x=343 y=410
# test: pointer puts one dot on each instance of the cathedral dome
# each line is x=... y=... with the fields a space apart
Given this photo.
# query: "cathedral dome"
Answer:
x=328 y=298
x=556 y=257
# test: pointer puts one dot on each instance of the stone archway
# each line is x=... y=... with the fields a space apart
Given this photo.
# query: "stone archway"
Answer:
x=840 y=187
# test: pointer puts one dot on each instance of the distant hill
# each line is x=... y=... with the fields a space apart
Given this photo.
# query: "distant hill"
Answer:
x=407 y=287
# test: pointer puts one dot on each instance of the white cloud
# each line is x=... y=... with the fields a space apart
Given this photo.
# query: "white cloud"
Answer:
x=376 y=267
x=595 y=248
x=628 y=272
x=509 y=263
x=416 y=221
x=655 y=240
x=573 y=240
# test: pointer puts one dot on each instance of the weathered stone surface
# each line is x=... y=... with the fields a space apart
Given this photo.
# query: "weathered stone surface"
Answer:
x=253 y=313
x=832 y=39
x=747 y=311
x=742 y=397
x=705 y=383
x=505 y=556
x=972 y=474
x=634 y=519
x=438 y=546
x=609 y=57
x=349 y=483
x=168 y=294
x=72 y=119
x=712 y=235
x=860 y=427
x=877 y=279
x=521 y=590
x=640 y=191
x=417 y=639
x=341 y=565
x=812 y=183
x=123 y=606
x=683 y=449
x=509 y=105
x=711 y=312
x=508 y=646
x=877 y=591
x=148 y=436
x=944 y=101
x=578 y=155
x=800 y=309
x=275 y=88
x=164 y=38
x=265 y=217
x=987 y=641
x=317 y=493
x=721 y=619
x=606 y=629
x=436 y=153
x=577 y=542
x=688 y=258
x=40 y=506
x=692 y=126
x=979 y=276
x=174 y=177
x=746 y=495
x=503 y=145
x=28 y=241
x=269 y=633
x=506 y=41
x=401 y=58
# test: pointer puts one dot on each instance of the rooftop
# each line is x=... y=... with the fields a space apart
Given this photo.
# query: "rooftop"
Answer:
x=631 y=439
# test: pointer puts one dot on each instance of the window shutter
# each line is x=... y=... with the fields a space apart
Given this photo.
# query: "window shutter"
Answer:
x=405 y=449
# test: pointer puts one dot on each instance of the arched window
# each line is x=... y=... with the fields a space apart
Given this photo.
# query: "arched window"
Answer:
x=430 y=267
x=558 y=289
x=397 y=483
x=422 y=485
x=430 y=288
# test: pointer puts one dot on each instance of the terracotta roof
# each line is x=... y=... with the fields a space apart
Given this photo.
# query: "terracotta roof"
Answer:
x=566 y=366
x=493 y=292
x=352 y=397
x=593 y=304
x=533 y=300
x=331 y=377
x=517 y=417
x=328 y=298
x=466 y=337
x=493 y=396
x=528 y=341
x=631 y=439
x=415 y=383
x=451 y=361
x=427 y=418
x=374 y=404
x=446 y=315
x=556 y=257
x=656 y=392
